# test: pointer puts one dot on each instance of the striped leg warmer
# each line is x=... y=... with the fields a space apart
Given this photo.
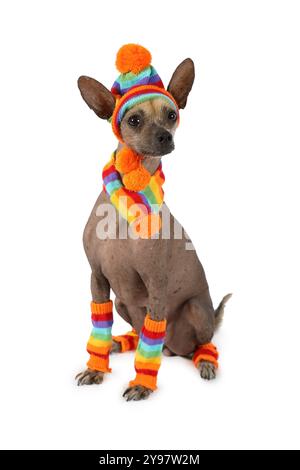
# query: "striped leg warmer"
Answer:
x=100 y=341
x=206 y=352
x=148 y=353
x=128 y=342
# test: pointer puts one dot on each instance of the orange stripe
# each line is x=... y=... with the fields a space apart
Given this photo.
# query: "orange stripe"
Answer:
x=204 y=357
x=210 y=346
x=106 y=307
x=155 y=326
x=97 y=363
x=100 y=350
x=145 y=380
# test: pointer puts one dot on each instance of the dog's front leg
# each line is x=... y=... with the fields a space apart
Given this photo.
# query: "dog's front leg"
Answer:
x=151 y=341
x=100 y=341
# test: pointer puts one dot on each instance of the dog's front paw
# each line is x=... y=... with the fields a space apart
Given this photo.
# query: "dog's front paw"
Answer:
x=137 y=392
x=207 y=370
x=89 y=377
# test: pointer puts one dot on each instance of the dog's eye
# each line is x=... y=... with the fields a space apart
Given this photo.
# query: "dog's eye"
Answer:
x=172 y=116
x=134 y=121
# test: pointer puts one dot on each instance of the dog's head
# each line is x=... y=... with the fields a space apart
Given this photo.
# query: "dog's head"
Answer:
x=147 y=127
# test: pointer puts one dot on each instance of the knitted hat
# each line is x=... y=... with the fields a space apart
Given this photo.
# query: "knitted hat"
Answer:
x=138 y=82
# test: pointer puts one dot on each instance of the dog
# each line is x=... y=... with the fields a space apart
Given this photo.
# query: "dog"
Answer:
x=152 y=277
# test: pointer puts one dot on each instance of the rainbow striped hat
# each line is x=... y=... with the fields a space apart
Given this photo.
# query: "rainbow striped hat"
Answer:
x=138 y=82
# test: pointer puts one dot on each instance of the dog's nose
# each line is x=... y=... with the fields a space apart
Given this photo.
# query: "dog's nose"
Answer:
x=164 y=137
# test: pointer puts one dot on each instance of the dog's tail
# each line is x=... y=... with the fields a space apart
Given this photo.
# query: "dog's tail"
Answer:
x=219 y=312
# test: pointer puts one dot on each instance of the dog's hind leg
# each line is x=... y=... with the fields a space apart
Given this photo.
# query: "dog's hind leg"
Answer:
x=205 y=359
x=134 y=316
x=205 y=322
x=194 y=331
x=126 y=342
x=100 y=342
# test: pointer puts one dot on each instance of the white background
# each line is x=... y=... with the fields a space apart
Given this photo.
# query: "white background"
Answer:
x=235 y=163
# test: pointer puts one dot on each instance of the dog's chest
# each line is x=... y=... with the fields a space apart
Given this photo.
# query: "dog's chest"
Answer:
x=122 y=268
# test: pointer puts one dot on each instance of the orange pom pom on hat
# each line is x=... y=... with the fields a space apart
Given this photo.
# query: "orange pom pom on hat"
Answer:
x=138 y=82
x=132 y=58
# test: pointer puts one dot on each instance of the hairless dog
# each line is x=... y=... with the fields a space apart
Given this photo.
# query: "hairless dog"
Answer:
x=157 y=277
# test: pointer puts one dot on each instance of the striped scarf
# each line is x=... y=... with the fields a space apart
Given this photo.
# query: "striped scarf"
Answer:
x=149 y=200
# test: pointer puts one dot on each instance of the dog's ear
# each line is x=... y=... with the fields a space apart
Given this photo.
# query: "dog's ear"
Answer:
x=182 y=81
x=97 y=97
